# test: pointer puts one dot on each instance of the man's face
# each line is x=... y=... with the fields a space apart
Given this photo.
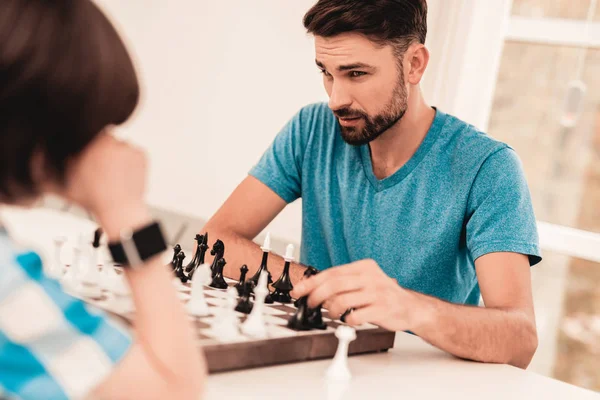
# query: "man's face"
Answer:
x=365 y=84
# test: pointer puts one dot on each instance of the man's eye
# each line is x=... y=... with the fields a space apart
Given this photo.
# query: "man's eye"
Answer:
x=324 y=72
x=356 y=74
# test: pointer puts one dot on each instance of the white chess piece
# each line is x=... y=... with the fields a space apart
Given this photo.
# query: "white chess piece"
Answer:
x=226 y=325
x=267 y=243
x=289 y=253
x=89 y=279
x=108 y=276
x=338 y=370
x=197 y=305
x=254 y=325
x=121 y=294
x=56 y=269
x=69 y=279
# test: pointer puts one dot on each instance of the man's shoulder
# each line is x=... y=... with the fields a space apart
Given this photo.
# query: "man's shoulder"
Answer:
x=470 y=147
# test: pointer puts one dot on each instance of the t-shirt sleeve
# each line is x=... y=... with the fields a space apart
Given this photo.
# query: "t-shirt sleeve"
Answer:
x=280 y=167
x=52 y=345
x=500 y=215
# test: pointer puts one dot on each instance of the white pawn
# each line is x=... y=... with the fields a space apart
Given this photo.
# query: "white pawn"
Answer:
x=57 y=268
x=197 y=305
x=108 y=276
x=90 y=276
x=338 y=370
x=226 y=325
x=69 y=279
x=121 y=300
x=254 y=325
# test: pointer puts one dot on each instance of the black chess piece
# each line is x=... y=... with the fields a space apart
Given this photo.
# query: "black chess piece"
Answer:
x=245 y=304
x=196 y=260
x=269 y=298
x=240 y=285
x=299 y=320
x=345 y=314
x=176 y=251
x=203 y=248
x=97 y=237
x=179 y=267
x=263 y=267
x=283 y=286
x=315 y=318
x=218 y=280
x=218 y=250
x=305 y=319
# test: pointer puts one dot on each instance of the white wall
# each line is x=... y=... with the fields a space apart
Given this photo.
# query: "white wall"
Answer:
x=220 y=79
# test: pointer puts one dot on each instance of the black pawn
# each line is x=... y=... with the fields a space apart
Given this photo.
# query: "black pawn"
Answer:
x=176 y=251
x=218 y=251
x=304 y=318
x=179 y=267
x=245 y=304
x=97 y=237
x=269 y=298
x=240 y=285
x=196 y=260
x=283 y=286
x=218 y=280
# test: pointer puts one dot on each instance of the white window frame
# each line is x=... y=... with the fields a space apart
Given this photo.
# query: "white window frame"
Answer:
x=465 y=40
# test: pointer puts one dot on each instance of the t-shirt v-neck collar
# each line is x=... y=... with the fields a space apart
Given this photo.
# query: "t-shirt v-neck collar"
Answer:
x=385 y=183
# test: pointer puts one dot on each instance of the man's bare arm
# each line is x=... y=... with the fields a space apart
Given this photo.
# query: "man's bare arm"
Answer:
x=246 y=213
x=502 y=332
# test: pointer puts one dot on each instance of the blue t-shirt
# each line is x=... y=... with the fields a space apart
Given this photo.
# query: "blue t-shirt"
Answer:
x=460 y=196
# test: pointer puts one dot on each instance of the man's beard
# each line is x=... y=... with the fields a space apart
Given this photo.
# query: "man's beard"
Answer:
x=376 y=125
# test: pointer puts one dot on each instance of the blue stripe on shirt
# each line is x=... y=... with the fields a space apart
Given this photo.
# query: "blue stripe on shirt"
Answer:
x=111 y=339
x=23 y=375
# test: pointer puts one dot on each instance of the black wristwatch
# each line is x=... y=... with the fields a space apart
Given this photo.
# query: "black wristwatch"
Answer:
x=136 y=247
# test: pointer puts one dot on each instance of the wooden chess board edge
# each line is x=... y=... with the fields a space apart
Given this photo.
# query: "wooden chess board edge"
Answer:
x=275 y=351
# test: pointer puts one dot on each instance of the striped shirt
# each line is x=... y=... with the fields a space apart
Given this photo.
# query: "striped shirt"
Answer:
x=52 y=345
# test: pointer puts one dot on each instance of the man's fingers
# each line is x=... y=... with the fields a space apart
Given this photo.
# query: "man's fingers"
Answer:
x=338 y=305
x=333 y=287
x=306 y=286
x=371 y=313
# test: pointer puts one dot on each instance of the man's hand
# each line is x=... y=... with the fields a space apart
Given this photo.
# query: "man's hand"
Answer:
x=363 y=286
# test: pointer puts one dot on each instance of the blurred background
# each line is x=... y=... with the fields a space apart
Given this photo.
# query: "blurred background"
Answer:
x=221 y=78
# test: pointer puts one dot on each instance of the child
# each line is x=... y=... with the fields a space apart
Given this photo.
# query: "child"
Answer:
x=65 y=80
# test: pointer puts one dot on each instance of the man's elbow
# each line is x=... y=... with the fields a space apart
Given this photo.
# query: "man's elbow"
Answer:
x=525 y=348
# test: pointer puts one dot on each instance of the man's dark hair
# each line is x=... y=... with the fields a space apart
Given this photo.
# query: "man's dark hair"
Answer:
x=386 y=22
x=65 y=75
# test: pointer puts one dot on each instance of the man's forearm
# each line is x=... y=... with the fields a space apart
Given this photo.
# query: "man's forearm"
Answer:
x=240 y=250
x=478 y=333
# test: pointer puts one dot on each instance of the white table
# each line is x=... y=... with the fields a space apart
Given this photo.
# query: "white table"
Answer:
x=413 y=369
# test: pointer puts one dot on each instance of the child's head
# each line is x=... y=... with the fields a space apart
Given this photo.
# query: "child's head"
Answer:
x=65 y=75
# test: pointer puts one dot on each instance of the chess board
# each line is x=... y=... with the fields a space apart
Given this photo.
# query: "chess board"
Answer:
x=282 y=345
